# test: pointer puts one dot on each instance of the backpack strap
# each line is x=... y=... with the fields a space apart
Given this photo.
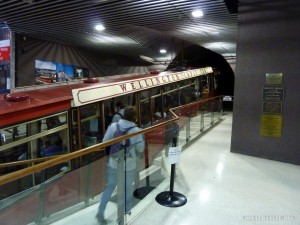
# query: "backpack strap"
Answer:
x=120 y=115
x=129 y=128
x=125 y=132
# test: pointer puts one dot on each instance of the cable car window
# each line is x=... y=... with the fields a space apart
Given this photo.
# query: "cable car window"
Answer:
x=145 y=107
x=34 y=139
x=12 y=134
x=90 y=124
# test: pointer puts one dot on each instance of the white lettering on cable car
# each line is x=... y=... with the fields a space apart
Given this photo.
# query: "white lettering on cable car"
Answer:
x=88 y=95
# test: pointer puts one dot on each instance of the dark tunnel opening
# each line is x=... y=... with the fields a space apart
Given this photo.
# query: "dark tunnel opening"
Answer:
x=195 y=56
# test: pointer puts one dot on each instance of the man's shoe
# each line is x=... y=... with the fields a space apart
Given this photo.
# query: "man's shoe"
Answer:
x=101 y=219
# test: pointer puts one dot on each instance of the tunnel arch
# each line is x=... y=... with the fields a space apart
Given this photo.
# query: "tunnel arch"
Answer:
x=196 y=56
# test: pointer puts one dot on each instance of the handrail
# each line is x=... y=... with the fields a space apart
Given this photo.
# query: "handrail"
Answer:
x=194 y=103
x=66 y=157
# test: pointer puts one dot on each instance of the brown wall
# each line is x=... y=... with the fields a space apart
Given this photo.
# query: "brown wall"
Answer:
x=268 y=42
x=99 y=63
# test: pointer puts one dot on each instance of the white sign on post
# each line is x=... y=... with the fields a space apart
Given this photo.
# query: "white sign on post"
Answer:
x=174 y=154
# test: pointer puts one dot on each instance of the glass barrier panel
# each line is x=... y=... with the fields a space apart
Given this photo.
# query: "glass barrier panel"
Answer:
x=52 y=190
x=22 y=208
x=217 y=109
x=152 y=169
x=92 y=180
x=15 y=187
x=207 y=115
x=183 y=124
x=144 y=174
x=195 y=120
x=111 y=206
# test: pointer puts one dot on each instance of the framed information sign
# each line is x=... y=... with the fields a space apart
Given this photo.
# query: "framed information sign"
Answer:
x=272 y=107
x=273 y=93
x=274 y=78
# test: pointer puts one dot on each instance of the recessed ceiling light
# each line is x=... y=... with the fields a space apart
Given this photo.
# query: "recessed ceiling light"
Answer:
x=197 y=13
x=99 y=27
x=163 y=51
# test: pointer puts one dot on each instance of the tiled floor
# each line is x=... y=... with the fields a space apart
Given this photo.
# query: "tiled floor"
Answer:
x=222 y=188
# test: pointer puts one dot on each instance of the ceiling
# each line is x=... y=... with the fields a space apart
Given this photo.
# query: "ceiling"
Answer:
x=133 y=27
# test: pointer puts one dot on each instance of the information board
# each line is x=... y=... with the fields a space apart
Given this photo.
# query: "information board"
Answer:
x=273 y=93
x=174 y=155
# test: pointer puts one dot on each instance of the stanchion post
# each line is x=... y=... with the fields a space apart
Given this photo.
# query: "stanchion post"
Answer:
x=171 y=198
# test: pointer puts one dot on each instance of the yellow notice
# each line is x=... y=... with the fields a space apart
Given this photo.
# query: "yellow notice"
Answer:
x=270 y=125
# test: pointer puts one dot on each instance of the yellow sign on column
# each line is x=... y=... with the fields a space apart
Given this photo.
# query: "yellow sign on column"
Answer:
x=271 y=125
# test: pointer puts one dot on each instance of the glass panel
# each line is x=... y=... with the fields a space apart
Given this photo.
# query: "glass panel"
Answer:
x=22 y=133
x=187 y=94
x=203 y=86
x=91 y=129
x=159 y=110
x=207 y=114
x=11 y=134
x=53 y=121
x=28 y=142
x=170 y=98
x=108 y=112
x=15 y=187
x=115 y=107
x=54 y=144
x=21 y=208
x=20 y=152
x=174 y=98
x=217 y=109
x=62 y=189
x=52 y=195
x=150 y=169
x=75 y=136
x=145 y=107
x=88 y=111
x=134 y=154
x=195 y=119
x=183 y=124
x=112 y=205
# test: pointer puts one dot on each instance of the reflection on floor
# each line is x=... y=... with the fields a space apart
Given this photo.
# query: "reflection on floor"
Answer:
x=222 y=188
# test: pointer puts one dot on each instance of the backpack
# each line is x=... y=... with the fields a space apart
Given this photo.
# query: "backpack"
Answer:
x=114 y=148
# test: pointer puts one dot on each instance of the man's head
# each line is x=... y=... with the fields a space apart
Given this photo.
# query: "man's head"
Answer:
x=130 y=113
x=120 y=105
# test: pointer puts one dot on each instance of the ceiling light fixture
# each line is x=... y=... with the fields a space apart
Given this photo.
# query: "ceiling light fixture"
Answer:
x=197 y=13
x=99 y=27
x=163 y=51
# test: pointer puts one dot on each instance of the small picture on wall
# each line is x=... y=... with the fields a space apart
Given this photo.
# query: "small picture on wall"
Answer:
x=51 y=72
x=80 y=72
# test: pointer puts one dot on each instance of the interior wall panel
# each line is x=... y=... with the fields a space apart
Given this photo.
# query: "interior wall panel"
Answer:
x=267 y=43
x=99 y=64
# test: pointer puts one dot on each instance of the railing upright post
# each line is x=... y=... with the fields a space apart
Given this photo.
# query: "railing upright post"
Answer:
x=41 y=210
x=188 y=128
